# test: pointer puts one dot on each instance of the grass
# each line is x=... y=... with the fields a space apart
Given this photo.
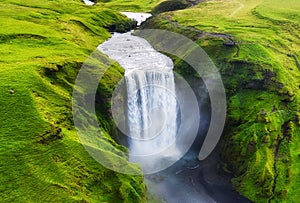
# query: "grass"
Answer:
x=261 y=77
x=170 y=5
x=43 y=44
x=127 y=5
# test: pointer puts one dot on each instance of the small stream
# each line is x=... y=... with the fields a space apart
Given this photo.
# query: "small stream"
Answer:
x=188 y=180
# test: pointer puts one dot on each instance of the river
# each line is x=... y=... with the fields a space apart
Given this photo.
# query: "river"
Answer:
x=188 y=180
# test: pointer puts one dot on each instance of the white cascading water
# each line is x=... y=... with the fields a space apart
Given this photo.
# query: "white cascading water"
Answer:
x=151 y=110
x=151 y=115
x=151 y=99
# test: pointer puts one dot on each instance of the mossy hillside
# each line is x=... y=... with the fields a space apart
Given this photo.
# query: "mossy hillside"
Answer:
x=170 y=5
x=260 y=71
x=126 y=5
x=43 y=44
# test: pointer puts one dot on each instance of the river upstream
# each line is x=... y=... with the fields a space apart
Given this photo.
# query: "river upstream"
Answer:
x=188 y=180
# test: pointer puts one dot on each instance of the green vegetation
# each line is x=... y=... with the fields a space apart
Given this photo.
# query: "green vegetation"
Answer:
x=170 y=5
x=122 y=26
x=128 y=5
x=256 y=46
x=43 y=44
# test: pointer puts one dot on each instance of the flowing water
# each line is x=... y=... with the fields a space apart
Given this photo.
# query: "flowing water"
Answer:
x=88 y=2
x=151 y=110
x=152 y=124
x=138 y=17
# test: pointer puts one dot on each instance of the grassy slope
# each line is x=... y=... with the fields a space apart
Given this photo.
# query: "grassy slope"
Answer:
x=42 y=46
x=128 y=5
x=261 y=76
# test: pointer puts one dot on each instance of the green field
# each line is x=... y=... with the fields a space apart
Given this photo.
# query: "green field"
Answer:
x=128 y=5
x=261 y=76
x=43 y=44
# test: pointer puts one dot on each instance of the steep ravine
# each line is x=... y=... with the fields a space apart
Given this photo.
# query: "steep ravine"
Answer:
x=43 y=45
x=188 y=180
x=260 y=137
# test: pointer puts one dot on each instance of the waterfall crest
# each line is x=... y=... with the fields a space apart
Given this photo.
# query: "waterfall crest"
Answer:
x=151 y=111
x=151 y=106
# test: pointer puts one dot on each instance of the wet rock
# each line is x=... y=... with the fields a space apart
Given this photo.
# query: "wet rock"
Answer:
x=260 y=99
x=251 y=148
x=274 y=109
x=11 y=91
x=255 y=85
x=262 y=116
x=170 y=5
x=229 y=43
x=263 y=112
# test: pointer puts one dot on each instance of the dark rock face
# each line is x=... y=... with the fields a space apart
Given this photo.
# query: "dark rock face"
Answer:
x=122 y=27
x=170 y=5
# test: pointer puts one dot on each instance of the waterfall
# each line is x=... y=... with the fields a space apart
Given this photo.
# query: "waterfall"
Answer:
x=151 y=112
x=151 y=105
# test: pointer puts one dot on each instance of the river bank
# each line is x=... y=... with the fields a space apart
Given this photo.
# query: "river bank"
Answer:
x=188 y=180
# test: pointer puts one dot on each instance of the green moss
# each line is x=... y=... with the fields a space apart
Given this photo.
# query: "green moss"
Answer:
x=135 y=5
x=43 y=44
x=123 y=26
x=170 y=5
x=261 y=77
